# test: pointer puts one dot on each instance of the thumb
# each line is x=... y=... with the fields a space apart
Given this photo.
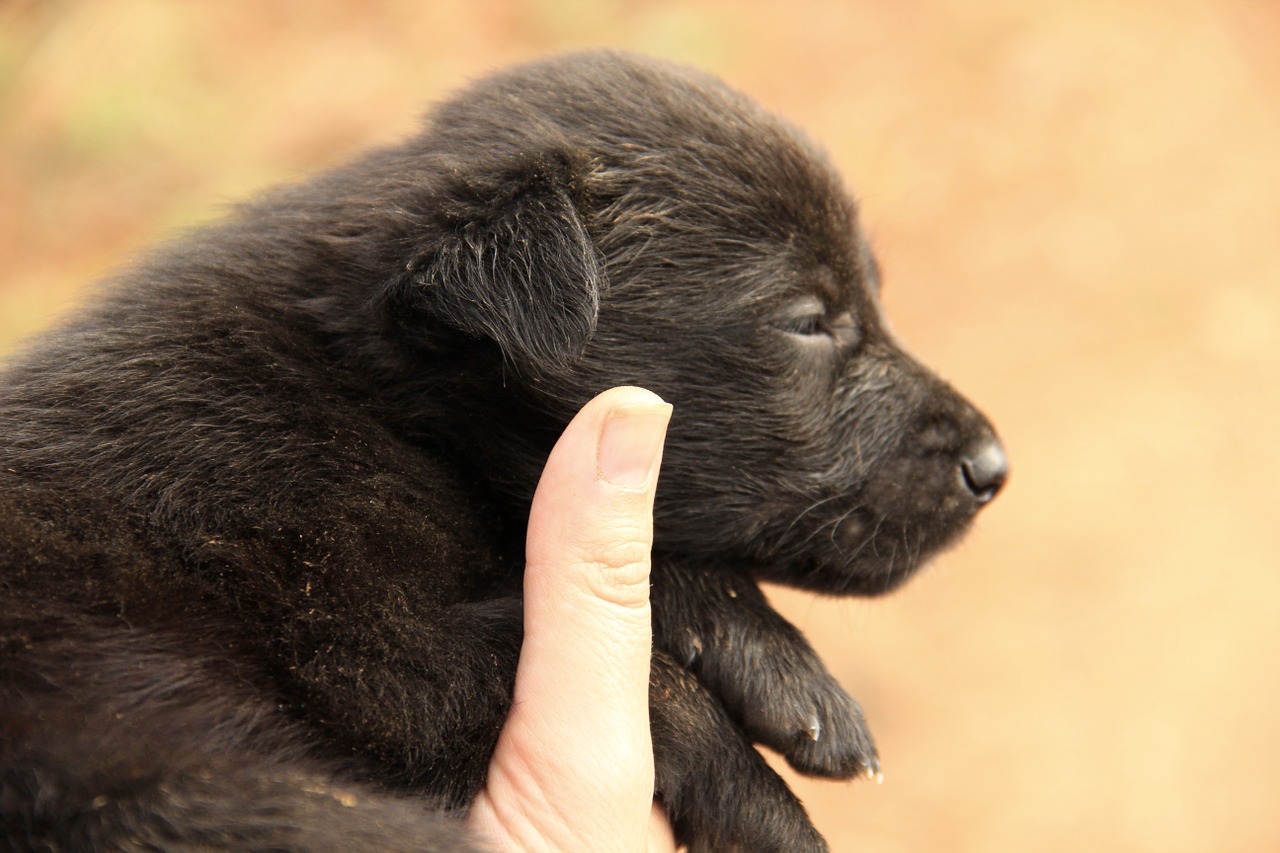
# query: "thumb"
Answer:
x=574 y=765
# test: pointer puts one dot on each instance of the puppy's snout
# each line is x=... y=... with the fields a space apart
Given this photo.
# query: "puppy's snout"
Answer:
x=984 y=470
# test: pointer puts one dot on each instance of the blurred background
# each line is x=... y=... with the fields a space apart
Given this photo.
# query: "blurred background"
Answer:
x=1077 y=206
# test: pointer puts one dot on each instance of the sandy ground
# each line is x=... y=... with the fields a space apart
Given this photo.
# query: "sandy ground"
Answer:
x=1077 y=205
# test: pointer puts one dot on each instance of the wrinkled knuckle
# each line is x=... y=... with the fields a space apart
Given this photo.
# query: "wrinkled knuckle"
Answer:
x=620 y=574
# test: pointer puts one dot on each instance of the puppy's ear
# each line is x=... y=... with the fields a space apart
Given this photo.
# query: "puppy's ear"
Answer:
x=507 y=258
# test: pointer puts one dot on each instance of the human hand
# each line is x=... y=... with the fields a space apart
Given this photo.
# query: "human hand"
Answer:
x=573 y=769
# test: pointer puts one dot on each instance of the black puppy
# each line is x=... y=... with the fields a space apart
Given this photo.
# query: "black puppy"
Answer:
x=262 y=507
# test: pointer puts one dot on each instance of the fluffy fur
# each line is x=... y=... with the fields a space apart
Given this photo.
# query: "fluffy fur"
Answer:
x=262 y=506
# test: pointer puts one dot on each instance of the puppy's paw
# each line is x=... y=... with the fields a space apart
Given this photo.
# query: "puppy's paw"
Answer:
x=763 y=671
x=772 y=682
x=820 y=730
x=717 y=789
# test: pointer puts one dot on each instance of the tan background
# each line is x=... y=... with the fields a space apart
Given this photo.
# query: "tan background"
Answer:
x=1078 y=208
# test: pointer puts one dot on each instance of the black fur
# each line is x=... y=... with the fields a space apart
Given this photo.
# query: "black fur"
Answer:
x=262 y=506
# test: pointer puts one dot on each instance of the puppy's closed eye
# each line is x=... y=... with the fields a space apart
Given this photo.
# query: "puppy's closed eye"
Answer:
x=811 y=323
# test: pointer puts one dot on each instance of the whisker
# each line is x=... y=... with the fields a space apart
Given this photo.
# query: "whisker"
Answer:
x=821 y=527
x=806 y=511
x=841 y=520
x=888 y=575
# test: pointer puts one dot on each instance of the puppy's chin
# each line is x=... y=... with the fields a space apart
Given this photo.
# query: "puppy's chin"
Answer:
x=862 y=555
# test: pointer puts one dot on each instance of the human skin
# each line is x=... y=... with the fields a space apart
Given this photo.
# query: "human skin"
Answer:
x=573 y=769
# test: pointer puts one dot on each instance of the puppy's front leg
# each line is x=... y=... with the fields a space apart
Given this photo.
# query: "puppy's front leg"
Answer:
x=718 y=625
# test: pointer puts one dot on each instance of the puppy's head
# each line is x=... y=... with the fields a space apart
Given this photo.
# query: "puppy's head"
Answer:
x=610 y=220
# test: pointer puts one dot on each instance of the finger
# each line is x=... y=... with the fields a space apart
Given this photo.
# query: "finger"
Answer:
x=662 y=838
x=576 y=749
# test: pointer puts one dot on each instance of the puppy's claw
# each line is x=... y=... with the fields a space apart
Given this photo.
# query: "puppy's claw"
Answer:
x=692 y=648
x=814 y=729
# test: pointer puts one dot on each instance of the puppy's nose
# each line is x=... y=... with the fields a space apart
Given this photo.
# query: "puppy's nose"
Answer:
x=984 y=470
